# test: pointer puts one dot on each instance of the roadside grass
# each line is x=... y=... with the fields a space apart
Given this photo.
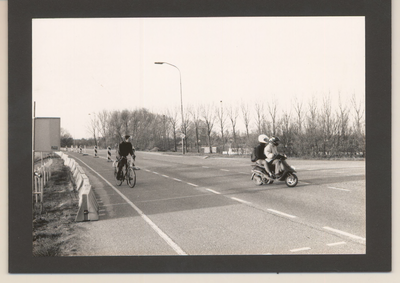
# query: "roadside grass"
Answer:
x=54 y=224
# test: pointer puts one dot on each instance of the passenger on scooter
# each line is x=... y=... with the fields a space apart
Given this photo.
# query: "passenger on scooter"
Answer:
x=271 y=151
x=261 y=153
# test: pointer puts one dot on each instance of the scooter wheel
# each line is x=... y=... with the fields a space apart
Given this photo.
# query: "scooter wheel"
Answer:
x=291 y=180
x=257 y=180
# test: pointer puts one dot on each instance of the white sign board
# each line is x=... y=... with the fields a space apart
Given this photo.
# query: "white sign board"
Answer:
x=47 y=134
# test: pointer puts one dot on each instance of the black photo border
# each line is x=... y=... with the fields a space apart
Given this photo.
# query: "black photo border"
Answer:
x=378 y=257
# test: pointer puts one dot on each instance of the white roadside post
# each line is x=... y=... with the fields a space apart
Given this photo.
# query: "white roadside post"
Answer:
x=109 y=154
x=95 y=151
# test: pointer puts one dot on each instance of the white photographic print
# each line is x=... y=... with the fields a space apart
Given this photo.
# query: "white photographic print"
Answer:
x=185 y=103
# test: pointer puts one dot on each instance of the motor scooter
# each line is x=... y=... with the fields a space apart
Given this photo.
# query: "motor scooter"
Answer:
x=260 y=176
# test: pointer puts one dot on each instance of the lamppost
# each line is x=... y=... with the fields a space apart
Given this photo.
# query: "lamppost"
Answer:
x=180 y=84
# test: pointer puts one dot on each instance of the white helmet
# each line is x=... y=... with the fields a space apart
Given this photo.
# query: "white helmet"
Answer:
x=263 y=138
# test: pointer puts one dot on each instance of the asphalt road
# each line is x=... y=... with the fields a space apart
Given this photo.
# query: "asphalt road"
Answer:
x=190 y=205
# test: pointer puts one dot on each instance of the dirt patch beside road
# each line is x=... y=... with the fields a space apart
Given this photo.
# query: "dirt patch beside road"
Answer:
x=54 y=228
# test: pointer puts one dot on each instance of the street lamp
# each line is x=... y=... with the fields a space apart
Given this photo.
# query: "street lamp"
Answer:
x=180 y=84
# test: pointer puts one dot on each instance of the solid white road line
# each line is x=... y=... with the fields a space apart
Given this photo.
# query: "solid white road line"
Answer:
x=281 y=213
x=301 y=249
x=240 y=200
x=336 y=244
x=340 y=189
x=215 y=192
x=164 y=236
x=344 y=233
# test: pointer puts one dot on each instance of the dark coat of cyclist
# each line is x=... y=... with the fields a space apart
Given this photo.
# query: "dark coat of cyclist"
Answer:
x=125 y=148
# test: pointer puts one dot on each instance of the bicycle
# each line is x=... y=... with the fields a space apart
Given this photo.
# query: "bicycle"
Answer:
x=128 y=174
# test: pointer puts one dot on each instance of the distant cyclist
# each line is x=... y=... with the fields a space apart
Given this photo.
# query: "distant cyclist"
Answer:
x=125 y=148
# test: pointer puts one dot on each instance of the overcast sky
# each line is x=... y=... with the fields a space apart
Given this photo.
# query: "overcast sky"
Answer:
x=81 y=66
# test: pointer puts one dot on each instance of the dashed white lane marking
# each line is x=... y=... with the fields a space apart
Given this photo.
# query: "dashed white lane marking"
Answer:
x=225 y=170
x=344 y=233
x=114 y=204
x=340 y=189
x=164 y=236
x=336 y=244
x=240 y=200
x=177 y=179
x=165 y=176
x=304 y=182
x=244 y=173
x=300 y=249
x=215 y=192
x=156 y=173
x=194 y=185
x=205 y=166
x=281 y=213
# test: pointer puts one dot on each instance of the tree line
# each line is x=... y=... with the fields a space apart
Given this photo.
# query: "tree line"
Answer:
x=308 y=129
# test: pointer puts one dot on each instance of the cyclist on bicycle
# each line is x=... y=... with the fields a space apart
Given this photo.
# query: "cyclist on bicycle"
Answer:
x=125 y=148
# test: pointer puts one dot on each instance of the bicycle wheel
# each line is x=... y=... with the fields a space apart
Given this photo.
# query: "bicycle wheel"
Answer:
x=118 y=182
x=131 y=177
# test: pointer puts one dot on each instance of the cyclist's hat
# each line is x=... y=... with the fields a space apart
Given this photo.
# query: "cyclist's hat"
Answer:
x=127 y=136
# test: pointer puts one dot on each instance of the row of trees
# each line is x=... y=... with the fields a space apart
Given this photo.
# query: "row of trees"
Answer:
x=308 y=129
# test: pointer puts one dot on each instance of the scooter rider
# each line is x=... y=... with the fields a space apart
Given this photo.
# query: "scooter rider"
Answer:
x=271 y=151
x=125 y=148
x=261 y=153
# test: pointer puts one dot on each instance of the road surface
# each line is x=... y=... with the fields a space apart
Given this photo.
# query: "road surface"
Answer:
x=192 y=205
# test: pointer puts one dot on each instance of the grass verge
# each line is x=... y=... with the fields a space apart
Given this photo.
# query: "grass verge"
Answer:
x=54 y=223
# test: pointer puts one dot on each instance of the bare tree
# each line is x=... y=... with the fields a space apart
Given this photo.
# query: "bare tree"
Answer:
x=116 y=126
x=286 y=130
x=221 y=119
x=342 y=115
x=185 y=129
x=272 y=110
x=125 y=119
x=246 y=118
x=103 y=118
x=195 y=113
x=327 y=124
x=358 y=125
x=259 y=107
x=358 y=115
x=209 y=119
x=298 y=107
x=312 y=115
x=233 y=114
x=94 y=125
x=173 y=123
